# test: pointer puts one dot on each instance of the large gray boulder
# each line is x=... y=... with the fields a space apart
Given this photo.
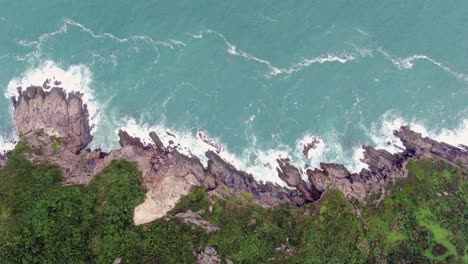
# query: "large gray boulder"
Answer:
x=54 y=113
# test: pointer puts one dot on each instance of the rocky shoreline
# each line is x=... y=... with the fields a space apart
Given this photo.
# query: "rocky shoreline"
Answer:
x=56 y=126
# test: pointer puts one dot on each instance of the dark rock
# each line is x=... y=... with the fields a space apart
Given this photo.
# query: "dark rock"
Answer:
x=46 y=85
x=338 y=170
x=170 y=134
x=240 y=182
x=156 y=139
x=43 y=117
x=309 y=146
x=417 y=146
x=293 y=177
x=126 y=140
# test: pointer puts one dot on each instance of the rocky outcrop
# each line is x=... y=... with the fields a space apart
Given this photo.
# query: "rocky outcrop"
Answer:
x=208 y=256
x=56 y=124
x=194 y=218
x=383 y=166
x=55 y=113
x=309 y=146
x=240 y=182
x=417 y=146
x=293 y=177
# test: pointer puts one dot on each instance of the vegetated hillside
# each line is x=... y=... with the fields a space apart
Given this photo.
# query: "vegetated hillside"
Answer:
x=423 y=220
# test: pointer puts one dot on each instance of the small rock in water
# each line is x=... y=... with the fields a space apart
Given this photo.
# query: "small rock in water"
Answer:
x=46 y=85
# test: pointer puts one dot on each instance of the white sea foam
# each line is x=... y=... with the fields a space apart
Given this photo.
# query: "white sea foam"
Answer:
x=314 y=153
x=7 y=143
x=266 y=18
x=382 y=132
x=331 y=57
x=261 y=163
x=340 y=57
x=75 y=78
x=69 y=23
x=306 y=62
x=408 y=63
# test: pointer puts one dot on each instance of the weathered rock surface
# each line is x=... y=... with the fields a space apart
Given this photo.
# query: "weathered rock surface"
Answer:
x=293 y=177
x=56 y=125
x=55 y=113
x=383 y=165
x=240 y=182
x=417 y=146
x=208 y=256
x=194 y=218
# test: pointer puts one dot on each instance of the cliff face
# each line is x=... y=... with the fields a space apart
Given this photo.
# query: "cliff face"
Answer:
x=55 y=113
x=57 y=125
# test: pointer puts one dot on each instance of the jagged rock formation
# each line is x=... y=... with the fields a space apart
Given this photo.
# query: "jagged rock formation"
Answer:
x=167 y=174
x=293 y=177
x=309 y=146
x=383 y=165
x=56 y=113
x=56 y=126
x=239 y=182
x=417 y=146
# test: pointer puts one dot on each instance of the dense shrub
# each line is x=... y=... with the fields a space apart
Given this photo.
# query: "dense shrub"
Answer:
x=41 y=221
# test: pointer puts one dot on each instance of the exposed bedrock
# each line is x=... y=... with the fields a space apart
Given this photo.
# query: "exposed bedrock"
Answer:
x=55 y=113
x=239 y=182
x=293 y=178
x=56 y=125
x=417 y=146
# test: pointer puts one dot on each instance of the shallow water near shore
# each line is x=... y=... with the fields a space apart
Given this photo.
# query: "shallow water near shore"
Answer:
x=259 y=80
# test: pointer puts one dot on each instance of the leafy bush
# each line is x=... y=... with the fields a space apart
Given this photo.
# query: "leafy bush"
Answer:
x=41 y=221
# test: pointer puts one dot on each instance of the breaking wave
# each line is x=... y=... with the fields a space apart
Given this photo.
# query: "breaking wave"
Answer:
x=74 y=78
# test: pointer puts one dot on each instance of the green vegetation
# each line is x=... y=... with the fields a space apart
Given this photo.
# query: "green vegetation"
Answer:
x=425 y=217
x=424 y=220
x=54 y=146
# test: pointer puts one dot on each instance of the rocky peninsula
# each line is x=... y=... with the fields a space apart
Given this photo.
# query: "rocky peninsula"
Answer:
x=56 y=126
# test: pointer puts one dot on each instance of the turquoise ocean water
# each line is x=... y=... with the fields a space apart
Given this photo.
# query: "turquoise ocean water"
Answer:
x=259 y=78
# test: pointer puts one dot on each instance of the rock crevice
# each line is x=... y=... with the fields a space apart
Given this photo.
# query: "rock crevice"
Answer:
x=57 y=124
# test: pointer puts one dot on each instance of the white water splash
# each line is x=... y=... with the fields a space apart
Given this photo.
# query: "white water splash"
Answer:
x=7 y=143
x=75 y=78
x=382 y=132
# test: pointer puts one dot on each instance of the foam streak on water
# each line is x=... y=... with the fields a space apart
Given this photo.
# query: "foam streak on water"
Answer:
x=264 y=78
